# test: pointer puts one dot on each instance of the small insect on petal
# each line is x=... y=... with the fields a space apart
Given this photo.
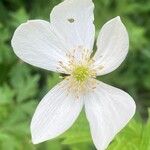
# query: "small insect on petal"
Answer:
x=71 y=20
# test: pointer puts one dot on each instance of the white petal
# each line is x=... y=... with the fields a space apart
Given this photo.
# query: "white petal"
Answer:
x=36 y=43
x=112 y=46
x=73 y=19
x=108 y=110
x=55 y=114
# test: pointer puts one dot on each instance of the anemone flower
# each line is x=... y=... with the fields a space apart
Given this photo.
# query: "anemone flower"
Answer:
x=65 y=45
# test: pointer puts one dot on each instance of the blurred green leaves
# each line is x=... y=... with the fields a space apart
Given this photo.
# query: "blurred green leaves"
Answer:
x=6 y=94
x=18 y=17
x=23 y=82
x=79 y=132
x=135 y=136
x=16 y=107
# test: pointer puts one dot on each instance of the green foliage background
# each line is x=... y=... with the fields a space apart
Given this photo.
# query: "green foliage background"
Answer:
x=22 y=86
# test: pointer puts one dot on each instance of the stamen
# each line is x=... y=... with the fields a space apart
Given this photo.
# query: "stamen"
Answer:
x=81 y=73
x=82 y=76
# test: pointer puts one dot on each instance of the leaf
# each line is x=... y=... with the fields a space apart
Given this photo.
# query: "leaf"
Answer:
x=134 y=137
x=6 y=94
x=23 y=83
x=7 y=142
x=20 y=16
x=53 y=79
x=79 y=132
x=4 y=33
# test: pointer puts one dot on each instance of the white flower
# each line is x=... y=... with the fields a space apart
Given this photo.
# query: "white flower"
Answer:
x=65 y=45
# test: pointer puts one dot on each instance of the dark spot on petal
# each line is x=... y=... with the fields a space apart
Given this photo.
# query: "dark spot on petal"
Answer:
x=71 y=20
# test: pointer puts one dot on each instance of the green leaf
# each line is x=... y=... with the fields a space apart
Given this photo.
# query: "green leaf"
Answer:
x=24 y=84
x=79 y=132
x=18 y=17
x=134 y=137
x=6 y=94
x=53 y=79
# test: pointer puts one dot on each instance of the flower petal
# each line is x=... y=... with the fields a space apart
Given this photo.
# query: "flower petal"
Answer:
x=108 y=110
x=112 y=46
x=55 y=114
x=73 y=19
x=36 y=43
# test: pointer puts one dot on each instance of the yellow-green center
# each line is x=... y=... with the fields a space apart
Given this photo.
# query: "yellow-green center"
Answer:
x=81 y=73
